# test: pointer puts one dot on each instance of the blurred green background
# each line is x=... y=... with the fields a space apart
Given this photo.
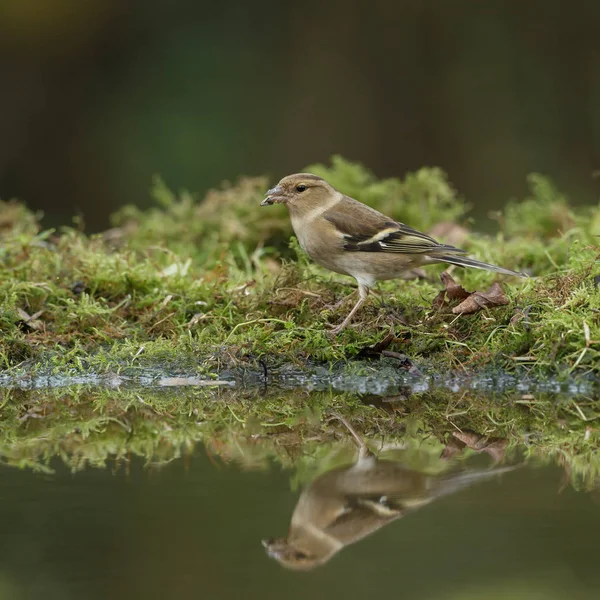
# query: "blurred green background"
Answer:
x=98 y=96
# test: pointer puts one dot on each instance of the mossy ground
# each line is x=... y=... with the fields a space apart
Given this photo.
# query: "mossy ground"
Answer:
x=214 y=284
x=205 y=287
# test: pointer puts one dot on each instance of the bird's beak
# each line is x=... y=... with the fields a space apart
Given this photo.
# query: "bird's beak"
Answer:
x=268 y=545
x=273 y=196
x=274 y=546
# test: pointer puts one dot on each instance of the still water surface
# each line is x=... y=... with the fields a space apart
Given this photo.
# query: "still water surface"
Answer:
x=193 y=528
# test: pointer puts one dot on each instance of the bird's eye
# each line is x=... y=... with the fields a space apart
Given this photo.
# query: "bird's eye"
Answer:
x=301 y=187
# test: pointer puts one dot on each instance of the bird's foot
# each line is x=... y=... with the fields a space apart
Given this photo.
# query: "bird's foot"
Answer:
x=338 y=304
x=334 y=329
x=348 y=319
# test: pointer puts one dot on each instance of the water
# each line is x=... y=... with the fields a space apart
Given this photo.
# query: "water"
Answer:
x=129 y=507
x=195 y=529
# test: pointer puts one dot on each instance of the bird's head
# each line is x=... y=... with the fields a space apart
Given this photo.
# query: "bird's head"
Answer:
x=300 y=189
x=293 y=556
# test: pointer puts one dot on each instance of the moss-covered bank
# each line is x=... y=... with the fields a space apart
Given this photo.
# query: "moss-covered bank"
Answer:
x=205 y=286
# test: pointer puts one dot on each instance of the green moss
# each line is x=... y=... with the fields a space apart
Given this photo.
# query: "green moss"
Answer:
x=96 y=427
x=217 y=284
x=544 y=214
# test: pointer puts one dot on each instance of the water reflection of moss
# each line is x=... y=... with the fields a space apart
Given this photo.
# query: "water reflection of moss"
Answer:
x=295 y=429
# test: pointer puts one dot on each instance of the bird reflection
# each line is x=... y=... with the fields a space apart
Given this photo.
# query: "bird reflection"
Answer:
x=348 y=503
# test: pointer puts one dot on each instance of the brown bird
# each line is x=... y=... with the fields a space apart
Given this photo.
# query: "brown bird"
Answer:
x=348 y=237
x=348 y=503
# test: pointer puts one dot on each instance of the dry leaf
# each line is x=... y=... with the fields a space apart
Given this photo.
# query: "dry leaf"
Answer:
x=379 y=347
x=25 y=316
x=451 y=449
x=453 y=289
x=495 y=296
x=32 y=321
x=439 y=300
x=495 y=447
x=403 y=362
x=471 y=439
x=471 y=301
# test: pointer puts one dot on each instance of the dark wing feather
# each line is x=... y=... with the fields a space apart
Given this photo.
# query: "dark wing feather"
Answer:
x=370 y=231
x=359 y=521
x=356 y=223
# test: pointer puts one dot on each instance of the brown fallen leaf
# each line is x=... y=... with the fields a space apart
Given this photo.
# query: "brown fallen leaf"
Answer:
x=453 y=290
x=32 y=321
x=451 y=449
x=495 y=296
x=390 y=404
x=495 y=447
x=471 y=301
x=403 y=362
x=379 y=347
x=439 y=300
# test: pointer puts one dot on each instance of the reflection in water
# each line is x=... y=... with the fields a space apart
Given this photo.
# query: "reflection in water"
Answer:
x=348 y=503
x=169 y=520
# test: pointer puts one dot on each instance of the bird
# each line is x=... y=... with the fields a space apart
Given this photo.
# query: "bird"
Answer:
x=345 y=504
x=351 y=238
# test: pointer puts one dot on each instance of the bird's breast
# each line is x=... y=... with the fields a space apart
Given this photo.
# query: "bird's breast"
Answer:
x=323 y=247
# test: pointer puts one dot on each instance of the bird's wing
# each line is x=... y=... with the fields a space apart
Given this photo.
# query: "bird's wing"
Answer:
x=360 y=519
x=366 y=230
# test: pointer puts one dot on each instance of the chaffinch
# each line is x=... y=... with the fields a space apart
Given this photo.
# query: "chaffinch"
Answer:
x=345 y=504
x=348 y=237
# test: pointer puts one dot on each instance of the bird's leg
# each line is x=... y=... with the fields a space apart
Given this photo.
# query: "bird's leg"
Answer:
x=363 y=451
x=333 y=307
x=363 y=292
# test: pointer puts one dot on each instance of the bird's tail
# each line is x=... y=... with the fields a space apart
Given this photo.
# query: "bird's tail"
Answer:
x=450 y=483
x=464 y=261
